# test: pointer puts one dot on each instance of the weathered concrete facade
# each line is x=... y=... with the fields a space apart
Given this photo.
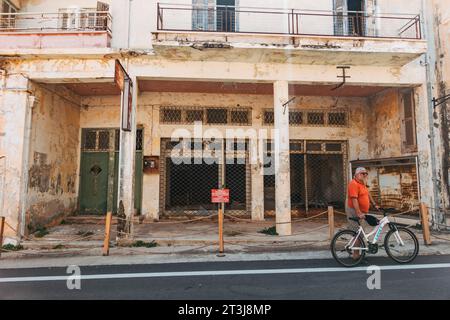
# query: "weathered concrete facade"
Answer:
x=439 y=86
x=52 y=97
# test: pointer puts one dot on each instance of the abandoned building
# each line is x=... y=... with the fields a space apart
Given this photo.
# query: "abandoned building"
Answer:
x=335 y=84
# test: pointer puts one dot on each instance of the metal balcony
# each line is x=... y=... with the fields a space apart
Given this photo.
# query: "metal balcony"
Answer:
x=231 y=19
x=66 y=29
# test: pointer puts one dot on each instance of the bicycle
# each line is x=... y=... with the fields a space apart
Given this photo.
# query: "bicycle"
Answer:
x=347 y=252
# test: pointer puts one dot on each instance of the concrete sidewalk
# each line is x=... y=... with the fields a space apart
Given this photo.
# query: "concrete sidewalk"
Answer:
x=83 y=237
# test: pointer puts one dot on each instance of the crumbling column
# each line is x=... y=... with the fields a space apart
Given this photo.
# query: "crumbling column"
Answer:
x=282 y=168
x=15 y=126
x=127 y=155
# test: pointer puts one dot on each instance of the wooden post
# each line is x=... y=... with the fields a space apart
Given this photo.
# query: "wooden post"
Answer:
x=107 y=234
x=221 y=244
x=2 y=228
x=331 y=221
x=425 y=224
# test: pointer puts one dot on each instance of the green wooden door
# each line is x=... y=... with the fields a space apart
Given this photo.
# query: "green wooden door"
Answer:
x=94 y=182
x=99 y=171
x=138 y=181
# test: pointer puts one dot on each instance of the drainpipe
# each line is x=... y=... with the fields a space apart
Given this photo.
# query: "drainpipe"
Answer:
x=26 y=159
x=430 y=62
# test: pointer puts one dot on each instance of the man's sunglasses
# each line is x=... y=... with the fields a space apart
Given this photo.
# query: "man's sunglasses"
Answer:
x=364 y=173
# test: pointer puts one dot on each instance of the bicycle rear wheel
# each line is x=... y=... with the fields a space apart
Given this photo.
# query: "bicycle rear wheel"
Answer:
x=341 y=251
x=401 y=253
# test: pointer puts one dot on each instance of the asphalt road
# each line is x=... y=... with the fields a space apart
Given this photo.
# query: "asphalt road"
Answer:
x=428 y=277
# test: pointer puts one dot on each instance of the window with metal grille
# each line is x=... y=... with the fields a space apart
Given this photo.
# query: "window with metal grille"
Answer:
x=316 y=118
x=90 y=140
x=139 y=139
x=180 y=115
x=296 y=146
x=313 y=146
x=310 y=118
x=240 y=117
x=216 y=116
x=295 y=117
x=171 y=115
x=333 y=147
x=194 y=115
x=268 y=117
x=337 y=118
x=103 y=140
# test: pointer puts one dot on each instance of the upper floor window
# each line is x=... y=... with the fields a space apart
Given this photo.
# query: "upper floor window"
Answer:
x=408 y=125
x=221 y=17
x=75 y=18
x=350 y=19
x=7 y=21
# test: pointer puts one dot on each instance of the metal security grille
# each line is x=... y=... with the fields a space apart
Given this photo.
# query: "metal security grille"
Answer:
x=96 y=140
x=311 y=118
x=316 y=118
x=190 y=169
x=317 y=173
x=325 y=185
x=207 y=115
x=337 y=118
x=101 y=140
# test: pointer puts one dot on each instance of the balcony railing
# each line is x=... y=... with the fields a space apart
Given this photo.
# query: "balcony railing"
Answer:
x=68 y=21
x=182 y=18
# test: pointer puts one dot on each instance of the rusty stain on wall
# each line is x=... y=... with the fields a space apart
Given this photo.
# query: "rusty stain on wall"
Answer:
x=39 y=173
x=383 y=124
x=394 y=186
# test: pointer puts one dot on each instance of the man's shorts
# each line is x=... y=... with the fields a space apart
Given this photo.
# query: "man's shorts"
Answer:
x=353 y=225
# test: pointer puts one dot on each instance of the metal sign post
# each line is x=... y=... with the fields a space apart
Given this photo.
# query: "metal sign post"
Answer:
x=220 y=196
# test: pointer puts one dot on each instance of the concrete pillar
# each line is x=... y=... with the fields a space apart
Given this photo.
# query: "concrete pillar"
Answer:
x=282 y=168
x=127 y=155
x=152 y=147
x=15 y=126
x=257 y=182
x=428 y=167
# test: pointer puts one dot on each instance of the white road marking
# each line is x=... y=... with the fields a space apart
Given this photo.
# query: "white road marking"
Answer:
x=221 y=273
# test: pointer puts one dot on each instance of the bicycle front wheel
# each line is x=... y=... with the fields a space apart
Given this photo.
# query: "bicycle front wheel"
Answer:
x=401 y=245
x=342 y=251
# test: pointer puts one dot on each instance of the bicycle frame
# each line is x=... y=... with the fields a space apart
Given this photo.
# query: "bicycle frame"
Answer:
x=377 y=231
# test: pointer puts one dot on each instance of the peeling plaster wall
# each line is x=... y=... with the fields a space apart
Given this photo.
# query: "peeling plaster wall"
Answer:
x=384 y=121
x=54 y=157
x=104 y=112
x=441 y=22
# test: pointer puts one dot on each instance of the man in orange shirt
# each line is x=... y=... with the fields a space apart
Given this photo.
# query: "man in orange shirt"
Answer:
x=359 y=200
